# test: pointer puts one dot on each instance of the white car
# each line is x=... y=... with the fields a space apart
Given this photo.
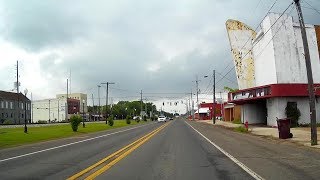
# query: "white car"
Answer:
x=162 y=119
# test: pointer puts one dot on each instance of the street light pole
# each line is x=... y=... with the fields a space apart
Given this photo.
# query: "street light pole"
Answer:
x=99 y=102
x=83 y=101
x=25 y=111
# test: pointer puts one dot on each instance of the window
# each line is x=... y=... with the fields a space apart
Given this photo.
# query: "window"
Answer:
x=21 y=115
x=2 y=115
x=22 y=105
x=11 y=115
x=11 y=105
x=2 y=104
x=7 y=105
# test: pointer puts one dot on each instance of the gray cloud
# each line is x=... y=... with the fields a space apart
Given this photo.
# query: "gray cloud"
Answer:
x=157 y=46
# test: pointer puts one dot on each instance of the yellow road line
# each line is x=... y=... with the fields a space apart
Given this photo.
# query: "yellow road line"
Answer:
x=81 y=173
x=109 y=165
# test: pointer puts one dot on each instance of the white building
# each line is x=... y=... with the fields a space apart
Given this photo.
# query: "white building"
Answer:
x=50 y=109
x=59 y=109
x=271 y=69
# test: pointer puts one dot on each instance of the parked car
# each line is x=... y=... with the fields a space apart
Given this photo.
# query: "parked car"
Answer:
x=171 y=118
x=162 y=119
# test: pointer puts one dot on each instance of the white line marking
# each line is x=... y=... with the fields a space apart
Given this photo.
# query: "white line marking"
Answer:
x=69 y=144
x=244 y=167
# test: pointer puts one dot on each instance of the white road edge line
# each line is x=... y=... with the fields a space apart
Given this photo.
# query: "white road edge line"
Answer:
x=244 y=167
x=69 y=144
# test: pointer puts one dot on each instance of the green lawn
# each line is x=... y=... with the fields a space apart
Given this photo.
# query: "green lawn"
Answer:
x=10 y=137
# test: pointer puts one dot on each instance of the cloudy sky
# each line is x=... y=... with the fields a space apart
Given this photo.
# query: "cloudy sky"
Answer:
x=158 y=46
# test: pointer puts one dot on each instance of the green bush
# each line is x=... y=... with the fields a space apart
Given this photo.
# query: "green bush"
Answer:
x=145 y=118
x=75 y=121
x=138 y=120
x=128 y=119
x=42 y=122
x=241 y=129
x=294 y=114
x=237 y=121
x=7 y=121
x=110 y=120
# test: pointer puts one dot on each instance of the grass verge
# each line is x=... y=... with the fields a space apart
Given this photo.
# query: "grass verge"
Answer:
x=10 y=137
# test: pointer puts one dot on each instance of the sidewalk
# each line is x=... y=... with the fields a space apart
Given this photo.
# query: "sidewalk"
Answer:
x=300 y=135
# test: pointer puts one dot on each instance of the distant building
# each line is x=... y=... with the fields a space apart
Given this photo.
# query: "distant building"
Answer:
x=13 y=112
x=271 y=70
x=205 y=111
x=79 y=96
x=54 y=110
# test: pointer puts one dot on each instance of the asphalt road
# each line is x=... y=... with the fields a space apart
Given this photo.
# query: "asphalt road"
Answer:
x=175 y=152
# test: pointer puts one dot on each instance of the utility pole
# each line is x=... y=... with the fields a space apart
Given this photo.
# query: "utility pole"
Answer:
x=58 y=109
x=146 y=108
x=99 y=101
x=18 y=110
x=192 y=106
x=312 y=105
x=67 y=89
x=107 y=94
x=93 y=106
x=141 y=103
x=49 y=111
x=214 y=97
x=197 y=83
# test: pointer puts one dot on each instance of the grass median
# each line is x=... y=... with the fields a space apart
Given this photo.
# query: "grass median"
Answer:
x=10 y=137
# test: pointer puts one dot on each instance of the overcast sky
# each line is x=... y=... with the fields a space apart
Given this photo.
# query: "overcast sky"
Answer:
x=158 y=46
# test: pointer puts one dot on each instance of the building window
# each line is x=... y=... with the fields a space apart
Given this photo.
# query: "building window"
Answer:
x=7 y=105
x=2 y=115
x=22 y=105
x=11 y=105
x=6 y=115
x=21 y=115
x=2 y=104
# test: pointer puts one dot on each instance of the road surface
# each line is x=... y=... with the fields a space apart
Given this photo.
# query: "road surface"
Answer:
x=175 y=150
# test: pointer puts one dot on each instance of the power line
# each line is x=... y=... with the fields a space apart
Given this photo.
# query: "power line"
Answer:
x=254 y=30
x=258 y=41
x=274 y=34
x=312 y=6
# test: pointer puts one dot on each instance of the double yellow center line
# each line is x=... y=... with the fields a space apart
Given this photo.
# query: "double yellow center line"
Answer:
x=106 y=163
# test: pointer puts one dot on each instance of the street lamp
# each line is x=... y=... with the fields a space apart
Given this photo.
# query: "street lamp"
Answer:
x=83 y=101
x=214 y=96
x=25 y=113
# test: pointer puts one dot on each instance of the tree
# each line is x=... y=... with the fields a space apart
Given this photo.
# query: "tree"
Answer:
x=230 y=89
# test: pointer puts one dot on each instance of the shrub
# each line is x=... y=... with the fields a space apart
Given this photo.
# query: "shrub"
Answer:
x=237 y=121
x=138 y=120
x=7 y=121
x=42 y=122
x=241 y=129
x=293 y=113
x=110 y=120
x=145 y=118
x=75 y=121
x=128 y=119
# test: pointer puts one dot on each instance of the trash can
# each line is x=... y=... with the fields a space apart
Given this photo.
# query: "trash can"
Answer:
x=284 y=128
